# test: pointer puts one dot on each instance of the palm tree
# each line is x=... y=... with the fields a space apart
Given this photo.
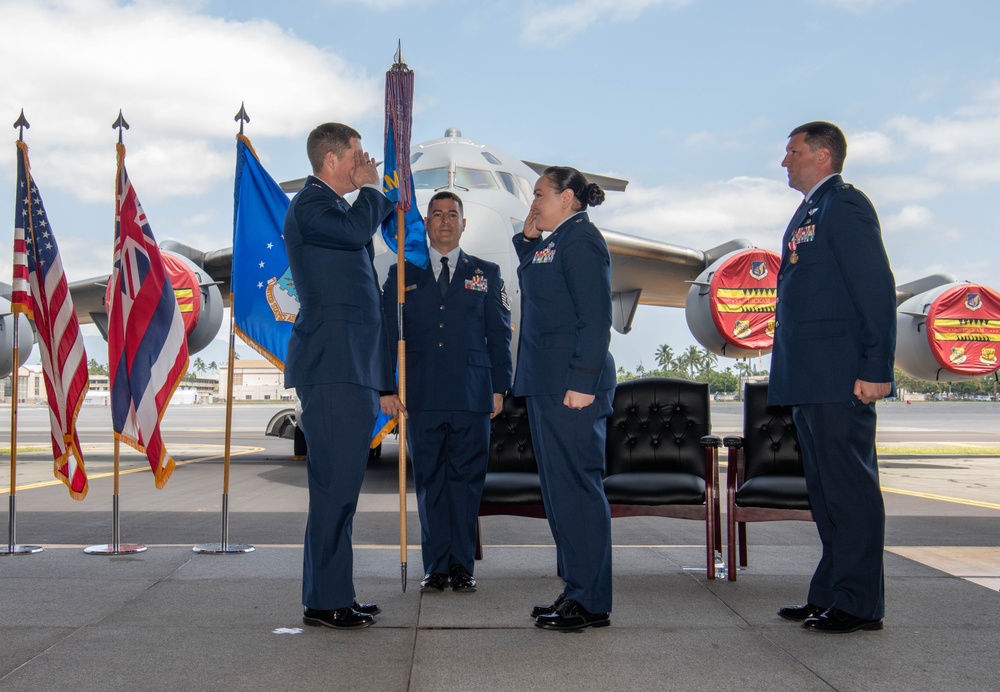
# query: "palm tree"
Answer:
x=708 y=360
x=199 y=365
x=691 y=361
x=665 y=357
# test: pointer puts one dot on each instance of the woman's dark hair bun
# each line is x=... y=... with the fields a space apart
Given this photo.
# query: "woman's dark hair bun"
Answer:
x=594 y=194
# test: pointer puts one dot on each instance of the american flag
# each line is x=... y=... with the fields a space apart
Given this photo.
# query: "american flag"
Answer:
x=40 y=291
x=147 y=349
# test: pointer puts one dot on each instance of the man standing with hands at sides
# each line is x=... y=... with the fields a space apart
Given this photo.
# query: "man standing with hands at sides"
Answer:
x=834 y=344
x=338 y=359
x=458 y=367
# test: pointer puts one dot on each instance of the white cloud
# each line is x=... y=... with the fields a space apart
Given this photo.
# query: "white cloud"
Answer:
x=547 y=24
x=871 y=148
x=861 y=6
x=178 y=76
x=908 y=218
x=903 y=188
x=703 y=216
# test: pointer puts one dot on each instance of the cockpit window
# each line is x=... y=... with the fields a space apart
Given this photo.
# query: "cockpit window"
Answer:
x=414 y=157
x=517 y=186
x=491 y=158
x=430 y=179
x=475 y=179
x=468 y=178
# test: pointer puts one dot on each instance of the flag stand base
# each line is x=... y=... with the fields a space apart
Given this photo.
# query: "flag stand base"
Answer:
x=12 y=548
x=20 y=549
x=223 y=549
x=115 y=547
x=112 y=549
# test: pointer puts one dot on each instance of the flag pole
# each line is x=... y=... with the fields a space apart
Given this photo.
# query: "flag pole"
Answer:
x=224 y=547
x=12 y=548
x=399 y=112
x=115 y=547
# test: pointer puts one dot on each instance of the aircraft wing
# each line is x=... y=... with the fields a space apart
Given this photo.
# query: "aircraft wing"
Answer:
x=652 y=272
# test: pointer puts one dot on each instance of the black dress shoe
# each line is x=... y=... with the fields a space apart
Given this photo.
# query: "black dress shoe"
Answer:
x=435 y=581
x=836 y=621
x=570 y=616
x=366 y=608
x=341 y=618
x=540 y=610
x=461 y=580
x=802 y=612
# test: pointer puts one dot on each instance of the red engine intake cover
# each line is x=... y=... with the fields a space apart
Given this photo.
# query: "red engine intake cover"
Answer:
x=742 y=298
x=963 y=328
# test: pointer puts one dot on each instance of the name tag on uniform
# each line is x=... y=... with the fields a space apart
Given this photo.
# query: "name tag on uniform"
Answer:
x=545 y=256
x=476 y=283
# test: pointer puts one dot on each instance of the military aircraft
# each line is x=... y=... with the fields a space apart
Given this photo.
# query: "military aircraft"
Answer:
x=947 y=329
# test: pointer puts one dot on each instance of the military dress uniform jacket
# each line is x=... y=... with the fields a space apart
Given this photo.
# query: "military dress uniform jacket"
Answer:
x=339 y=334
x=836 y=309
x=565 y=311
x=457 y=346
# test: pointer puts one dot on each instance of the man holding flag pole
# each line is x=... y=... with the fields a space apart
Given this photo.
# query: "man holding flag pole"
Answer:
x=338 y=359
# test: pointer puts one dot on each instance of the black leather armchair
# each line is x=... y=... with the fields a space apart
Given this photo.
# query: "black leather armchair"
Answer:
x=657 y=464
x=764 y=479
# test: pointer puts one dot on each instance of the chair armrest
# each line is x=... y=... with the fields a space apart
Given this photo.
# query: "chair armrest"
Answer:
x=710 y=441
x=734 y=462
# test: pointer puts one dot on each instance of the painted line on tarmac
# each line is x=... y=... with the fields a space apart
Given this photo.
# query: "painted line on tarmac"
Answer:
x=943 y=498
x=140 y=469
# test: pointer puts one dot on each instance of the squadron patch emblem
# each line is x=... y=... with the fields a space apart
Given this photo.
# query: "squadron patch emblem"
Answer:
x=957 y=355
x=741 y=330
x=973 y=301
x=988 y=356
x=758 y=269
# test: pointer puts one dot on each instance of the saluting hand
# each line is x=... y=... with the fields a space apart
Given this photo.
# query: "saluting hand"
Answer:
x=364 y=171
x=529 y=230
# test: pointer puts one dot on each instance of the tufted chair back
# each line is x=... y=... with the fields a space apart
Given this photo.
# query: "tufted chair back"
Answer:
x=656 y=425
x=770 y=446
x=510 y=439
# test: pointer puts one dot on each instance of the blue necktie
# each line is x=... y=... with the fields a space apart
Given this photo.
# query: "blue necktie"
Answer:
x=444 y=278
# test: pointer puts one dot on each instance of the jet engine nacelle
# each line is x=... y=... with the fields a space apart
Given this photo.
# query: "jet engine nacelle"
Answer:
x=198 y=298
x=949 y=333
x=25 y=338
x=730 y=307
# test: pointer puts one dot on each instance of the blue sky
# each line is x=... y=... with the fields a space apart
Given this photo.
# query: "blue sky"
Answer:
x=690 y=100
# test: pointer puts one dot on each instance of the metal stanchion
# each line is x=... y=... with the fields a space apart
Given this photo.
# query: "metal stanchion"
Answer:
x=12 y=548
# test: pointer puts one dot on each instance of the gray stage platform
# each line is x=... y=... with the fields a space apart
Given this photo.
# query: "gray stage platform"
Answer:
x=169 y=619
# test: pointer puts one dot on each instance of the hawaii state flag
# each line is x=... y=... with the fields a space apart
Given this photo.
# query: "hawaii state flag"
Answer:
x=147 y=349
x=40 y=292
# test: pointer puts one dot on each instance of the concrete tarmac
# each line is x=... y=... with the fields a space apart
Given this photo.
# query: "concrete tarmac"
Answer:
x=169 y=619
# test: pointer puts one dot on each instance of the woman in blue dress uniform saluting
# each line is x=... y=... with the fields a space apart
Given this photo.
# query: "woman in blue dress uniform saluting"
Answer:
x=566 y=372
